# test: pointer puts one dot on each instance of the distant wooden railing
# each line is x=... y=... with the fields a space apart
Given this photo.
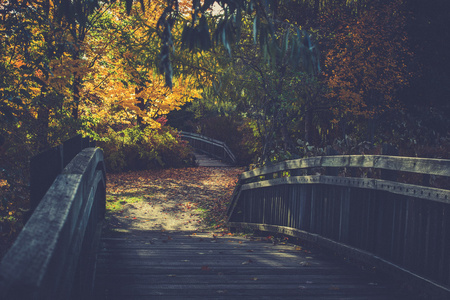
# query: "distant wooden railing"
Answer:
x=403 y=227
x=54 y=255
x=210 y=146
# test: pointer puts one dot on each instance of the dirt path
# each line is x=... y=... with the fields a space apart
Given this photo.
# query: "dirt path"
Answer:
x=175 y=199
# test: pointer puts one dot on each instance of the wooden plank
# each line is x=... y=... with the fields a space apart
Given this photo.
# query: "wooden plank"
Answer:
x=202 y=267
x=439 y=167
x=434 y=194
x=399 y=222
x=203 y=160
x=435 y=290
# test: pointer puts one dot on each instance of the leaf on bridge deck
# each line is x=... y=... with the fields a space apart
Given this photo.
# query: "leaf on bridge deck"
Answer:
x=206 y=268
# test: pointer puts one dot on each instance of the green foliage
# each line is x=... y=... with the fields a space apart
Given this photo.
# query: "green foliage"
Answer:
x=419 y=132
x=116 y=204
x=137 y=149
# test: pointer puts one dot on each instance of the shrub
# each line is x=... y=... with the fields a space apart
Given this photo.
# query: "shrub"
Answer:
x=138 y=149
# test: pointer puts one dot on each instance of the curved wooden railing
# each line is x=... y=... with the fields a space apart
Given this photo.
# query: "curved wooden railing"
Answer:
x=54 y=255
x=401 y=227
x=209 y=146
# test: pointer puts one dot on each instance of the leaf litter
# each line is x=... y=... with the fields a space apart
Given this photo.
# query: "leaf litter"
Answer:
x=185 y=199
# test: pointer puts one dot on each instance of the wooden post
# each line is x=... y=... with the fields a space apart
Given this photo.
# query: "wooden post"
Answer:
x=388 y=149
x=44 y=168
x=331 y=171
x=71 y=148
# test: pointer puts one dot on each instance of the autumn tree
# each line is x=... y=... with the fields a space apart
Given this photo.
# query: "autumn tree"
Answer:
x=365 y=59
x=46 y=74
x=125 y=87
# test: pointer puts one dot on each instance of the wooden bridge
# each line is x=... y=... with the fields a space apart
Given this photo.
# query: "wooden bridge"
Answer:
x=209 y=152
x=390 y=213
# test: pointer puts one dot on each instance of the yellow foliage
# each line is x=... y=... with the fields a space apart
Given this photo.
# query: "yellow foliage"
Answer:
x=122 y=88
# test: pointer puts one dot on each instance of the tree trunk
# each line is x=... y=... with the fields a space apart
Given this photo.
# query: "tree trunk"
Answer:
x=76 y=89
x=141 y=104
x=308 y=124
x=43 y=114
x=76 y=96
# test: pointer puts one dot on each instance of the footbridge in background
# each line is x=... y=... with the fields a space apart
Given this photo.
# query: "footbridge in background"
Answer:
x=211 y=148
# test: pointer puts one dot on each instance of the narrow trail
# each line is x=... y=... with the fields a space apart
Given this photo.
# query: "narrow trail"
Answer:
x=173 y=199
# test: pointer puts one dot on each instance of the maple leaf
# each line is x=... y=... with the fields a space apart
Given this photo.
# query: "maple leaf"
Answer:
x=205 y=268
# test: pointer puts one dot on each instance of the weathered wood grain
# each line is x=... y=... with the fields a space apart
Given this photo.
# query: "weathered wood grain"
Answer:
x=431 y=166
x=178 y=265
x=405 y=225
x=43 y=262
x=430 y=288
x=434 y=194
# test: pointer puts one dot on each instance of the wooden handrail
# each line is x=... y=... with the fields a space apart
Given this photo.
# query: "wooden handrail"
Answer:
x=404 y=164
x=54 y=255
x=211 y=146
x=402 y=227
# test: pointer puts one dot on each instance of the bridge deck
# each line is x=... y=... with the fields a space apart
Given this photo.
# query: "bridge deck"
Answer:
x=144 y=263
x=190 y=265
x=204 y=160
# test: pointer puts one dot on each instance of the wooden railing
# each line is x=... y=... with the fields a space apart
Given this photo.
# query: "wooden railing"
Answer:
x=401 y=227
x=209 y=146
x=54 y=255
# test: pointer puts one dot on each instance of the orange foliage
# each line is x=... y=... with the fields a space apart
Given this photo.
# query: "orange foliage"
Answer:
x=123 y=77
x=364 y=64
